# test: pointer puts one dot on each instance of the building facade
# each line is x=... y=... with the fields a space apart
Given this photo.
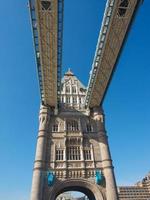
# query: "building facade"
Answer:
x=72 y=149
x=69 y=196
x=140 y=191
x=65 y=196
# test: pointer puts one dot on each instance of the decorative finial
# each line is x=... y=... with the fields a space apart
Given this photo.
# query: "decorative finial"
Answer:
x=69 y=72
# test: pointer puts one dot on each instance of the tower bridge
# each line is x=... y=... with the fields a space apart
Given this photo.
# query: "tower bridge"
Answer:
x=72 y=150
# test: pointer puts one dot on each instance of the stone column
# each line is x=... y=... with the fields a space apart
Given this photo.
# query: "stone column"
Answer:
x=108 y=169
x=80 y=126
x=81 y=152
x=65 y=125
x=92 y=154
x=78 y=103
x=39 y=164
x=64 y=99
x=71 y=100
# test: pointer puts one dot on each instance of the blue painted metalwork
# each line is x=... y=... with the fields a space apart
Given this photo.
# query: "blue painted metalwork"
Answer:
x=99 y=177
x=50 y=178
x=59 y=46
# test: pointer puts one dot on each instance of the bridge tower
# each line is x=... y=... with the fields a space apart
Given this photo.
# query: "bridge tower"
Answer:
x=72 y=150
x=72 y=147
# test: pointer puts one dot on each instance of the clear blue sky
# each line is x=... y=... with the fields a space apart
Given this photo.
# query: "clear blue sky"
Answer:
x=126 y=105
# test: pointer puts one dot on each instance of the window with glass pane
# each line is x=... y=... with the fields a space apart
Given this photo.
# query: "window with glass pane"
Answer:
x=73 y=153
x=80 y=100
x=74 y=100
x=88 y=127
x=67 y=99
x=74 y=89
x=72 y=125
x=87 y=154
x=59 y=154
x=55 y=128
x=67 y=89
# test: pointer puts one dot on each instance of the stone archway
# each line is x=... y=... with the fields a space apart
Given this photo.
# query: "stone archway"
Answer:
x=91 y=190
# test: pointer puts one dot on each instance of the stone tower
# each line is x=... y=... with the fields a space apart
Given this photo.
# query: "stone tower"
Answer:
x=72 y=149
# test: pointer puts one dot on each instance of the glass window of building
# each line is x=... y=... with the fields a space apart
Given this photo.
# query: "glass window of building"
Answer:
x=74 y=91
x=73 y=153
x=73 y=149
x=87 y=153
x=86 y=149
x=67 y=99
x=55 y=128
x=68 y=89
x=72 y=125
x=74 y=100
x=88 y=127
x=80 y=100
x=59 y=154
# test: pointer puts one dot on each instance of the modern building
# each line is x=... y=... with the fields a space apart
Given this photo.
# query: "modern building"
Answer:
x=140 y=191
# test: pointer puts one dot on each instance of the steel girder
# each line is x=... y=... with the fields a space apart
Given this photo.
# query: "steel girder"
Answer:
x=115 y=25
x=47 y=27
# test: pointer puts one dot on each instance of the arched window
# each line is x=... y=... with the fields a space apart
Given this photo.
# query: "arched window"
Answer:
x=72 y=125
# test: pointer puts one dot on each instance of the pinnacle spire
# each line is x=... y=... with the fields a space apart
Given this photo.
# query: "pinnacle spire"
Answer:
x=69 y=73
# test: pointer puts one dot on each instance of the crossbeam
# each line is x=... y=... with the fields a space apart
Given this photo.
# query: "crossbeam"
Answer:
x=116 y=23
x=47 y=28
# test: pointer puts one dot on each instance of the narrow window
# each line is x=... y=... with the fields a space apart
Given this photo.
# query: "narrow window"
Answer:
x=55 y=128
x=74 y=100
x=68 y=89
x=87 y=154
x=74 y=90
x=72 y=125
x=68 y=100
x=80 y=101
x=88 y=128
x=73 y=153
x=59 y=154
